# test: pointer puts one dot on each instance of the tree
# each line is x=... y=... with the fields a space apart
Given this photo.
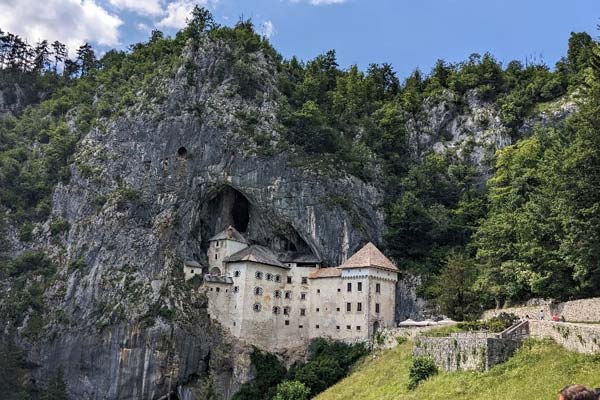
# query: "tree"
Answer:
x=201 y=20
x=86 y=58
x=60 y=53
x=57 y=389
x=292 y=390
x=41 y=59
x=453 y=289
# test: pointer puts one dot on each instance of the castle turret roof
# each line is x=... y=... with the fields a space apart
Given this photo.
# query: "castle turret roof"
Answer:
x=257 y=254
x=369 y=256
x=230 y=233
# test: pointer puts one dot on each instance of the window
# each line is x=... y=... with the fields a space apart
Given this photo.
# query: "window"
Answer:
x=269 y=277
x=289 y=279
x=276 y=310
x=300 y=326
x=286 y=311
x=258 y=291
x=378 y=288
x=226 y=290
x=349 y=286
x=259 y=275
x=318 y=309
x=287 y=321
x=216 y=255
x=302 y=296
x=217 y=243
x=256 y=307
x=236 y=274
x=339 y=290
x=304 y=280
x=359 y=286
x=277 y=294
x=303 y=312
x=337 y=327
x=318 y=290
x=317 y=326
x=348 y=327
x=218 y=289
x=359 y=307
x=236 y=289
x=192 y=271
x=377 y=308
x=358 y=328
x=288 y=294
x=337 y=309
x=277 y=278
x=348 y=307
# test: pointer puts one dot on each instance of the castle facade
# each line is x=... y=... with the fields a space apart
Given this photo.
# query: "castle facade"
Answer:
x=278 y=301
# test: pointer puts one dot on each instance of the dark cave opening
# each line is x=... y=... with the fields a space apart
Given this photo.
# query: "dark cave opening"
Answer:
x=182 y=152
x=240 y=212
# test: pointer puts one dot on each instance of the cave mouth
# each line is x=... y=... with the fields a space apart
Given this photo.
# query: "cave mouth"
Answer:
x=240 y=212
x=182 y=152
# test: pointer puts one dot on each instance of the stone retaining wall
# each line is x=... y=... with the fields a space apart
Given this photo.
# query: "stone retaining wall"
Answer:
x=390 y=335
x=574 y=337
x=586 y=310
x=466 y=351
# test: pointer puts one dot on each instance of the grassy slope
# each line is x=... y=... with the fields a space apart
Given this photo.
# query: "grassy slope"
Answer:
x=538 y=371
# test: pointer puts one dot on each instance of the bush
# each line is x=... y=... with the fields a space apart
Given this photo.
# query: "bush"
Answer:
x=59 y=226
x=269 y=372
x=401 y=340
x=30 y=261
x=292 y=390
x=422 y=368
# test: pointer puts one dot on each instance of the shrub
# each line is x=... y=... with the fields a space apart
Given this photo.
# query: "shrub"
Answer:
x=269 y=372
x=401 y=340
x=59 y=226
x=30 y=261
x=292 y=390
x=421 y=369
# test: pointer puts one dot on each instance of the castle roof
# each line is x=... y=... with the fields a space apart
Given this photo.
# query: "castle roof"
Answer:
x=191 y=263
x=369 y=256
x=298 y=258
x=218 y=279
x=230 y=233
x=325 y=273
x=257 y=254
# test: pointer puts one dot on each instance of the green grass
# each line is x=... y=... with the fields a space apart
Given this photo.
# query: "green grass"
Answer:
x=538 y=371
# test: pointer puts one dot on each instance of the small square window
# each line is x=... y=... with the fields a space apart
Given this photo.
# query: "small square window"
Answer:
x=348 y=327
x=287 y=321
x=302 y=296
x=302 y=312
x=288 y=295
x=359 y=286
x=337 y=327
x=289 y=279
x=218 y=289
x=339 y=290
x=359 y=307
x=236 y=274
x=318 y=309
x=304 y=280
x=300 y=326
x=358 y=328
x=317 y=326
x=349 y=287
x=318 y=290
x=348 y=307
x=192 y=271
x=337 y=309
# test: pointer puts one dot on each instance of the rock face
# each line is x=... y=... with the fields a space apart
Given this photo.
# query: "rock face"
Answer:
x=14 y=97
x=148 y=189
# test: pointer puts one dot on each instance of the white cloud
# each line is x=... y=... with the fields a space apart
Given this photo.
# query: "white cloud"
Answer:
x=268 y=29
x=179 y=10
x=320 y=2
x=143 y=7
x=142 y=27
x=72 y=22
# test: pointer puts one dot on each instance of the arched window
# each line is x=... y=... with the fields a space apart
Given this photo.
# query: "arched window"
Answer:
x=259 y=275
x=276 y=310
x=269 y=277
x=277 y=278
x=277 y=294
x=256 y=307
x=236 y=274
x=258 y=291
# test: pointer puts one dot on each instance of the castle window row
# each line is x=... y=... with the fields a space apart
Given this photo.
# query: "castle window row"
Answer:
x=270 y=277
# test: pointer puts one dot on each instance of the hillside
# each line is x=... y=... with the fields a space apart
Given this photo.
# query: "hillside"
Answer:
x=537 y=372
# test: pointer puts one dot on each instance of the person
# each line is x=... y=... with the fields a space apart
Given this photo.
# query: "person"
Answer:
x=577 y=392
x=541 y=315
x=555 y=318
x=562 y=318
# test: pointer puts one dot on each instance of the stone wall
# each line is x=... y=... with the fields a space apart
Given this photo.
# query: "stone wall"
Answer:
x=466 y=351
x=586 y=310
x=389 y=335
x=574 y=337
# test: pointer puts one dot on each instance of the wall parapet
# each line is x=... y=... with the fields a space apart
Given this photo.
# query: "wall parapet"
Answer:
x=579 y=338
x=584 y=310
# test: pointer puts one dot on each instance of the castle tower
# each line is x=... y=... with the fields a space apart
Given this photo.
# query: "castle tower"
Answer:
x=221 y=246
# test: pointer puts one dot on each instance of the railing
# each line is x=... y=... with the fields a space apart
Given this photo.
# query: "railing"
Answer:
x=518 y=331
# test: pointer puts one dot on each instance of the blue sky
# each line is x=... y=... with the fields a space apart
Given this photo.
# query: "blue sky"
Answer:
x=407 y=34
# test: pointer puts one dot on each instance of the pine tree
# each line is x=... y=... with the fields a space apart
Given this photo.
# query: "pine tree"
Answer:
x=60 y=53
x=86 y=59
x=57 y=389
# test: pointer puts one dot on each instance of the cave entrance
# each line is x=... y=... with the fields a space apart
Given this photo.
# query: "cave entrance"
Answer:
x=240 y=212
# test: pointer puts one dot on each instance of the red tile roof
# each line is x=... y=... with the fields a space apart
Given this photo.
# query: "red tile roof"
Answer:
x=325 y=273
x=369 y=256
